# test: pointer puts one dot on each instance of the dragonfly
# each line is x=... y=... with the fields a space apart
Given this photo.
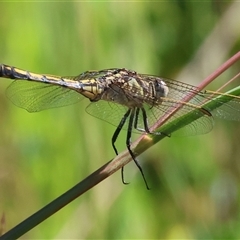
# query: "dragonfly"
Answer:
x=123 y=98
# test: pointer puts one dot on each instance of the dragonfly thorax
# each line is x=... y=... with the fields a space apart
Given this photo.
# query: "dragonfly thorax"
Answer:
x=115 y=93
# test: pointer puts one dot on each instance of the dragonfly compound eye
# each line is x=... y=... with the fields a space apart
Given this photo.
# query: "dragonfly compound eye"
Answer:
x=161 y=88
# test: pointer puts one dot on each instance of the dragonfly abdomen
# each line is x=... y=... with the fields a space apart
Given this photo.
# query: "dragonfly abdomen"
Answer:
x=19 y=74
x=12 y=72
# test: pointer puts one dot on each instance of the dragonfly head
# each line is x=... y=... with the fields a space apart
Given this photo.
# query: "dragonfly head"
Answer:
x=161 y=88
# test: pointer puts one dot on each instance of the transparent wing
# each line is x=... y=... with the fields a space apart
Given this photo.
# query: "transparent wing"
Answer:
x=107 y=111
x=37 y=96
x=228 y=108
x=229 y=105
x=113 y=113
x=34 y=96
x=203 y=123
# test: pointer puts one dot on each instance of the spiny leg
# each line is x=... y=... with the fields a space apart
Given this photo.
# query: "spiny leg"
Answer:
x=118 y=130
x=115 y=136
x=145 y=121
x=136 y=119
x=128 y=143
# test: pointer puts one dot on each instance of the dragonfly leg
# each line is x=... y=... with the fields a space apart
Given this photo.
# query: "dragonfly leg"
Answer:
x=115 y=136
x=145 y=129
x=145 y=123
x=128 y=143
x=118 y=130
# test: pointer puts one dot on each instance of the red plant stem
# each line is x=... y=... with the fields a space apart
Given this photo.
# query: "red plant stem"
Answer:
x=219 y=71
x=200 y=87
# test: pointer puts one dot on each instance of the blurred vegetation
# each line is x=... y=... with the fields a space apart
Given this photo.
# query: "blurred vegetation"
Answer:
x=195 y=181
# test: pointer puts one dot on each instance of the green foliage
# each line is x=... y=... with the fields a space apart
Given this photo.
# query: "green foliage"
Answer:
x=194 y=181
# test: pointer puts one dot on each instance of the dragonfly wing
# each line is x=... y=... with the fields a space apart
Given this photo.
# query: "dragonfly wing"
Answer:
x=113 y=113
x=35 y=96
x=228 y=111
x=225 y=106
x=199 y=124
x=200 y=121
x=108 y=111
x=202 y=124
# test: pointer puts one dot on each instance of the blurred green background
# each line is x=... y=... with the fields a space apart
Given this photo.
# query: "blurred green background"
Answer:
x=194 y=181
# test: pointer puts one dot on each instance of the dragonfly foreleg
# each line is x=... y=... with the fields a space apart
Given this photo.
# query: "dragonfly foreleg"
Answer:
x=118 y=130
x=115 y=136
